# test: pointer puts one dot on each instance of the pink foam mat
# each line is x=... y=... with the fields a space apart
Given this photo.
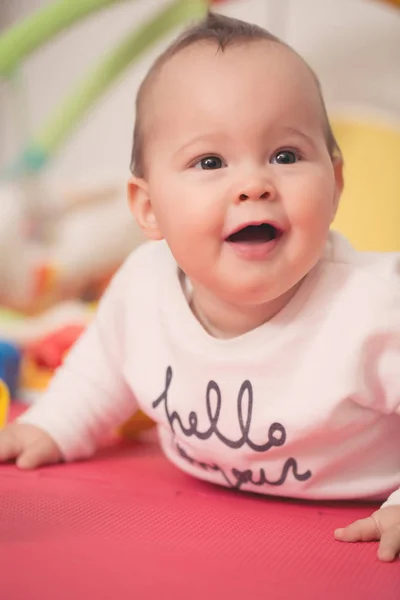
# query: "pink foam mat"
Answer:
x=127 y=524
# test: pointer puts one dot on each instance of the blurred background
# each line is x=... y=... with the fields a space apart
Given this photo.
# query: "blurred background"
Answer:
x=69 y=71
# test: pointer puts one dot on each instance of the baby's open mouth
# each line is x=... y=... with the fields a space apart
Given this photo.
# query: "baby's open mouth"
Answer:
x=255 y=234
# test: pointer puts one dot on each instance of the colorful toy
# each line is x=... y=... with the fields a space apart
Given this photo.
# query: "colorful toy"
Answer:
x=34 y=381
x=23 y=330
x=26 y=37
x=41 y=359
x=10 y=361
x=67 y=259
x=4 y=403
x=49 y=352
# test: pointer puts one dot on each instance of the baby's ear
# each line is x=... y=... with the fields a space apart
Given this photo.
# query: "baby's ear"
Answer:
x=141 y=207
x=339 y=182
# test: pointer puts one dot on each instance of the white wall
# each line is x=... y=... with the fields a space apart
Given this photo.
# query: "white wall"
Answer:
x=352 y=44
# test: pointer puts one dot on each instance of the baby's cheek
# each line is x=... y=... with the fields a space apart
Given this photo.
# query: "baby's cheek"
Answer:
x=312 y=212
x=309 y=224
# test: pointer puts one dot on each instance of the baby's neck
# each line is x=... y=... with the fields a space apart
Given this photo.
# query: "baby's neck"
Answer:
x=224 y=320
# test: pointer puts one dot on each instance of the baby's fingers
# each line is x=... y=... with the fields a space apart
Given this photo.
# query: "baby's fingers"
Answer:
x=40 y=452
x=363 y=530
x=389 y=546
x=10 y=445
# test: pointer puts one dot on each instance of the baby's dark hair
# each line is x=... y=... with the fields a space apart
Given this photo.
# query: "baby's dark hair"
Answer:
x=224 y=32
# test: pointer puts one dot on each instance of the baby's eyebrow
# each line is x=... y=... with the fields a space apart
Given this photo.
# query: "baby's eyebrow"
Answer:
x=299 y=133
x=207 y=137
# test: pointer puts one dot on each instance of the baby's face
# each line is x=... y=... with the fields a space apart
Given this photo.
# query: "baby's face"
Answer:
x=238 y=174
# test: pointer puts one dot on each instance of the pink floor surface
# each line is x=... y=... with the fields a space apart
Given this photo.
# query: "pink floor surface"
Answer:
x=128 y=525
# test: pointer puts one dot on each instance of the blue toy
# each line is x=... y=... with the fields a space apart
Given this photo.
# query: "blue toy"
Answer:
x=10 y=363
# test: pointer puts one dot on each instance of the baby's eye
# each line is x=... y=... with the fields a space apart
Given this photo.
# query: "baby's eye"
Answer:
x=285 y=157
x=209 y=163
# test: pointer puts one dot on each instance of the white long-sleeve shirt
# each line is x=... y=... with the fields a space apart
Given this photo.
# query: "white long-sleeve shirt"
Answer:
x=307 y=405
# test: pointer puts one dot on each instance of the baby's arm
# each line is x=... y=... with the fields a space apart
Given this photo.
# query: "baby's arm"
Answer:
x=87 y=397
x=382 y=373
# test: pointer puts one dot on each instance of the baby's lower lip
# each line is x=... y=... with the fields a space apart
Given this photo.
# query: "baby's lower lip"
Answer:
x=254 y=250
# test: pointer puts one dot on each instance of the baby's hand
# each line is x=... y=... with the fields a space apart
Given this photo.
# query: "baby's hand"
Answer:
x=383 y=525
x=28 y=445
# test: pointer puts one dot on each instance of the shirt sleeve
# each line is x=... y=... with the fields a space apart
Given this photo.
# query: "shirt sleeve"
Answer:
x=393 y=500
x=382 y=376
x=393 y=374
x=89 y=395
x=379 y=358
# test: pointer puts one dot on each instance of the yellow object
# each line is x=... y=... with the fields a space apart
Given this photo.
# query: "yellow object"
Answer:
x=369 y=213
x=135 y=425
x=4 y=403
x=34 y=377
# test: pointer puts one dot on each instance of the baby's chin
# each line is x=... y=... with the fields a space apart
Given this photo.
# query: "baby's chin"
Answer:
x=246 y=293
x=243 y=284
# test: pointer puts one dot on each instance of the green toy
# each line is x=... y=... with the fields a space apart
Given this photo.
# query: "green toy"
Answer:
x=37 y=30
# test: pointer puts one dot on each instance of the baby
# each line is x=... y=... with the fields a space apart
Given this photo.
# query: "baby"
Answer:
x=264 y=346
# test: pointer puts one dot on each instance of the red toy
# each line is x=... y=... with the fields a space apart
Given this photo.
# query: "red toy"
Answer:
x=49 y=352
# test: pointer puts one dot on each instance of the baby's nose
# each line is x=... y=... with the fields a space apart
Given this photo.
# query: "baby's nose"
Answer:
x=256 y=192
